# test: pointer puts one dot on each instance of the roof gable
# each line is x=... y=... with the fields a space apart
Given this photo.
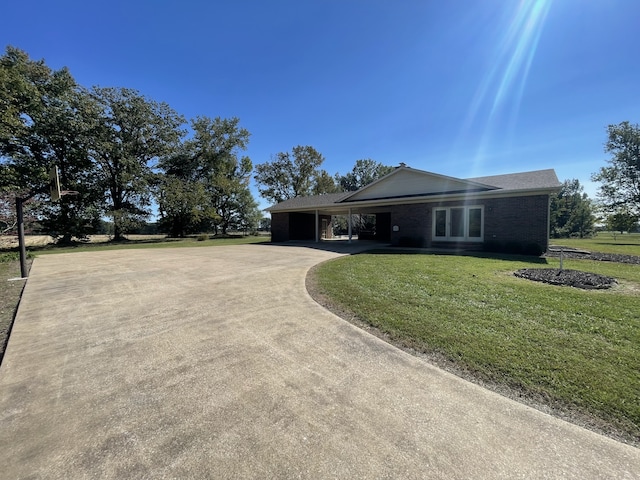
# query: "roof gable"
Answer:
x=406 y=182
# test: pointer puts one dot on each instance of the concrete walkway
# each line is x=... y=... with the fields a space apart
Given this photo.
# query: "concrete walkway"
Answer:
x=215 y=363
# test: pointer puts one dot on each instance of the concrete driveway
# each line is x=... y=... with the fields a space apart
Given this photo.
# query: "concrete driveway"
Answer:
x=215 y=363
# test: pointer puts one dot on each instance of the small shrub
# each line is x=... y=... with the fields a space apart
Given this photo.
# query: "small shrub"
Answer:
x=202 y=237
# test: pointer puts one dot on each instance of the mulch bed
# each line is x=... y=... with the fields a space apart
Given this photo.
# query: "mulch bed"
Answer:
x=572 y=278
x=576 y=278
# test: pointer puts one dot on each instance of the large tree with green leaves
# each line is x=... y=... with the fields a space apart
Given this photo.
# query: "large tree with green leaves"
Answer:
x=134 y=133
x=571 y=211
x=211 y=161
x=294 y=174
x=620 y=180
x=47 y=120
x=183 y=205
x=364 y=172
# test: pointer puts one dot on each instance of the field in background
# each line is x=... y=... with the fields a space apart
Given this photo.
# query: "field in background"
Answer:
x=43 y=244
x=11 y=241
x=605 y=242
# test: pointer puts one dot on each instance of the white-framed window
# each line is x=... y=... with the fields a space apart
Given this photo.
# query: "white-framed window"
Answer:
x=458 y=224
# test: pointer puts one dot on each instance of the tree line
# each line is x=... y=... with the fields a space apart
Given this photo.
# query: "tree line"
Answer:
x=119 y=152
x=617 y=204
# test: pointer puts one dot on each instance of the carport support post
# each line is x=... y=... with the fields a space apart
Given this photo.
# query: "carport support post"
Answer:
x=317 y=237
x=349 y=225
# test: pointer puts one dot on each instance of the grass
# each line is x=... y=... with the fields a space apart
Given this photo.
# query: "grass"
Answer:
x=605 y=242
x=158 y=242
x=9 y=296
x=575 y=350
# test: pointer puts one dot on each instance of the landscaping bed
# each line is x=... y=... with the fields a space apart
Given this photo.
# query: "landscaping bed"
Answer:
x=571 y=278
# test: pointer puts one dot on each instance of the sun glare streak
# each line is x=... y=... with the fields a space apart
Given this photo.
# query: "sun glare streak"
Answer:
x=503 y=86
x=526 y=30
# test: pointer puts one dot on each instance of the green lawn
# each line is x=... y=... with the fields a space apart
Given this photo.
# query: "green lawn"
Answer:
x=9 y=296
x=605 y=242
x=152 y=243
x=573 y=349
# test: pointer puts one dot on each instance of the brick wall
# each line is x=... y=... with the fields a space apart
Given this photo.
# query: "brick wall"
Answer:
x=413 y=223
x=279 y=227
x=522 y=220
x=507 y=221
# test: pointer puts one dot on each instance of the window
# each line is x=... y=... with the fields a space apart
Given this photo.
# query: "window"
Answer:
x=456 y=216
x=458 y=224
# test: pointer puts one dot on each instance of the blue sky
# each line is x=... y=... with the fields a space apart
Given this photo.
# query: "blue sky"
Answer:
x=458 y=87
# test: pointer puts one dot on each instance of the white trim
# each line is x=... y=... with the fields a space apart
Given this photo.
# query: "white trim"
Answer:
x=448 y=237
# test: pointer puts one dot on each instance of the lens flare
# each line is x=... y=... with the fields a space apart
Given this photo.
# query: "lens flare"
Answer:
x=501 y=90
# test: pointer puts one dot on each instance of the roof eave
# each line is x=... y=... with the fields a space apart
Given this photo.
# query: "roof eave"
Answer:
x=344 y=207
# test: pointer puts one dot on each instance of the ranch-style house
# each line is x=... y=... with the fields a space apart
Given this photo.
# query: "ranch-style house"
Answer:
x=422 y=209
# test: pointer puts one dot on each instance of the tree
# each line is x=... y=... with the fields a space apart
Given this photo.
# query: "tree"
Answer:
x=211 y=159
x=48 y=120
x=363 y=173
x=265 y=224
x=8 y=214
x=294 y=174
x=247 y=214
x=183 y=205
x=134 y=133
x=622 y=221
x=571 y=212
x=621 y=179
x=324 y=183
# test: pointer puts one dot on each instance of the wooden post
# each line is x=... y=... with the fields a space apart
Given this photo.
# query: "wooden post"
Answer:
x=21 y=241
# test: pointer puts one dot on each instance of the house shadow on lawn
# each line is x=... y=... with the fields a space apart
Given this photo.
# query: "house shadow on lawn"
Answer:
x=337 y=246
x=376 y=248
x=538 y=260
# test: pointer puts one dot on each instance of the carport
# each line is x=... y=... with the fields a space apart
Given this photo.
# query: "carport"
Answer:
x=310 y=218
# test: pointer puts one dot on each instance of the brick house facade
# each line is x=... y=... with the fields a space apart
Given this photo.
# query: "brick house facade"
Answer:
x=416 y=208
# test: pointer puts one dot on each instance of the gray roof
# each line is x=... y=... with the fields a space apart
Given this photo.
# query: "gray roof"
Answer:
x=542 y=179
x=312 y=201
x=539 y=180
